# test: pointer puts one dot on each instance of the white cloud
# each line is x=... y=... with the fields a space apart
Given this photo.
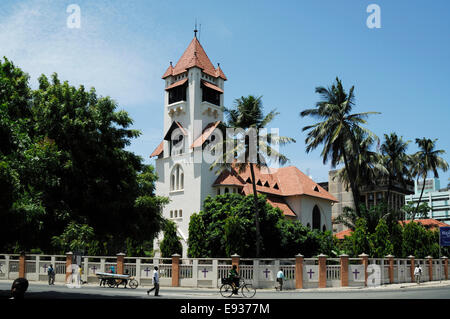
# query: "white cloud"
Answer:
x=34 y=35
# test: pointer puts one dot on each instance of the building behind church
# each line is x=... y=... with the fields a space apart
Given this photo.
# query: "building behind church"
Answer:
x=193 y=104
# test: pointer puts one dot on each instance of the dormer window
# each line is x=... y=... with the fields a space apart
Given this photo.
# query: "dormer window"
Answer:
x=266 y=184
x=316 y=189
x=275 y=186
x=259 y=183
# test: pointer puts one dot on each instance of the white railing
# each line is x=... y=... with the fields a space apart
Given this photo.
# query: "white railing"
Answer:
x=333 y=272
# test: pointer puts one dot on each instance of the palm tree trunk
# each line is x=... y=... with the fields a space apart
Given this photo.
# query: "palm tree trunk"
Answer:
x=420 y=197
x=255 y=199
x=355 y=190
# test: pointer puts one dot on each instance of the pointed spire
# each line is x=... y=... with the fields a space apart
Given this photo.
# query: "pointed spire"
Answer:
x=194 y=56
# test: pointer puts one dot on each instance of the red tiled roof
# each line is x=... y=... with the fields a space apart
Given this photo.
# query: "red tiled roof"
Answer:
x=428 y=223
x=343 y=234
x=279 y=202
x=290 y=182
x=194 y=55
x=207 y=131
x=212 y=86
x=178 y=83
x=227 y=178
x=158 y=150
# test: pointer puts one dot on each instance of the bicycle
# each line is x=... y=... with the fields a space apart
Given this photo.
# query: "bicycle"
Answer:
x=226 y=290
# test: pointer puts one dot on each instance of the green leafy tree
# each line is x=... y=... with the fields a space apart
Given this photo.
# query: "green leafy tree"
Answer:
x=171 y=243
x=416 y=240
x=336 y=131
x=63 y=160
x=76 y=237
x=381 y=246
x=359 y=241
x=412 y=211
x=226 y=226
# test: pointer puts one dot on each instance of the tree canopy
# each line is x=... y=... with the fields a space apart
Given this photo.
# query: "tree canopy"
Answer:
x=63 y=162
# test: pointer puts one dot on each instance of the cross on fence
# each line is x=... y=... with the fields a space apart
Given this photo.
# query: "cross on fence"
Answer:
x=204 y=271
x=146 y=271
x=310 y=272
x=267 y=271
x=356 y=272
x=94 y=268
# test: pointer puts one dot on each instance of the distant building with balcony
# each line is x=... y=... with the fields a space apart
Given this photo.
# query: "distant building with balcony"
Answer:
x=438 y=199
x=370 y=195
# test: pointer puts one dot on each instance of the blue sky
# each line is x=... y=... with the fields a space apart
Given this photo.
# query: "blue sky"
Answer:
x=281 y=50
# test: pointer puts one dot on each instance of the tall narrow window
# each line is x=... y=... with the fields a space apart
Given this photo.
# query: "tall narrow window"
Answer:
x=181 y=181
x=316 y=218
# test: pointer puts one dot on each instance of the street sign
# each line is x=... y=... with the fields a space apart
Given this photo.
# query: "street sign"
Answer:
x=444 y=236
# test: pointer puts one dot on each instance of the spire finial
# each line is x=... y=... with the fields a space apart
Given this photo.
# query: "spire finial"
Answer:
x=195 y=30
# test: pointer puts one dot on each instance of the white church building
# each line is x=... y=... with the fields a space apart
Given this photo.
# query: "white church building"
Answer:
x=193 y=102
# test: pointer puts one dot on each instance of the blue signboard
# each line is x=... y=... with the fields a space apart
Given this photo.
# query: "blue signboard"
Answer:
x=445 y=236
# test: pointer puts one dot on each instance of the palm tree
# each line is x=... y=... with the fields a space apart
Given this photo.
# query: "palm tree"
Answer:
x=248 y=116
x=395 y=160
x=369 y=162
x=336 y=131
x=425 y=160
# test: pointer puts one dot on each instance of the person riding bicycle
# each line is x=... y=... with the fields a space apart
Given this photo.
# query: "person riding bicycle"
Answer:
x=233 y=276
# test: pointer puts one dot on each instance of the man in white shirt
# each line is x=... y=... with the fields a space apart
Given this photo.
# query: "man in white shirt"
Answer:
x=155 y=282
x=418 y=273
x=280 y=277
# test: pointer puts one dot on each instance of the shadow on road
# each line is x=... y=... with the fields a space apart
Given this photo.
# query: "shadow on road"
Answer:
x=6 y=294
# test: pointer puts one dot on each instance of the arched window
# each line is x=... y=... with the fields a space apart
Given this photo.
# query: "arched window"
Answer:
x=177 y=178
x=316 y=218
x=324 y=228
x=226 y=190
x=308 y=225
x=172 y=182
x=171 y=214
x=182 y=181
x=181 y=213
x=218 y=191
x=176 y=214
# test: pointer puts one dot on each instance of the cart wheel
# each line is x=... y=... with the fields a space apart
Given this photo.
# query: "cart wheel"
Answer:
x=133 y=284
x=111 y=283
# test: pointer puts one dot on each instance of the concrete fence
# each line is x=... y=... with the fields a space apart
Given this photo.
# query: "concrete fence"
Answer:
x=300 y=272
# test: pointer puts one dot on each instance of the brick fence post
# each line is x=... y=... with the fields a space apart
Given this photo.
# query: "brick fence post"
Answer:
x=299 y=271
x=69 y=256
x=391 y=268
x=22 y=262
x=411 y=267
x=176 y=270
x=322 y=271
x=430 y=268
x=445 y=267
x=235 y=259
x=120 y=263
x=344 y=270
x=365 y=261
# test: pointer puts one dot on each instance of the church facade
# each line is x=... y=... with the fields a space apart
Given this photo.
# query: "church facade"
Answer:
x=193 y=103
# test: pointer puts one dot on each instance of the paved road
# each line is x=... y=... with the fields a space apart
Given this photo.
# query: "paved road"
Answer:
x=41 y=290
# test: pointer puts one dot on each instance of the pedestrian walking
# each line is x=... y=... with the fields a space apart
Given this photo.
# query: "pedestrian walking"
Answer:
x=280 y=278
x=418 y=273
x=155 y=282
x=51 y=275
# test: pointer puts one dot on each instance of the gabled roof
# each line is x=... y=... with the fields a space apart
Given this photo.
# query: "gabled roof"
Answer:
x=172 y=127
x=194 y=56
x=207 y=131
x=158 y=150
